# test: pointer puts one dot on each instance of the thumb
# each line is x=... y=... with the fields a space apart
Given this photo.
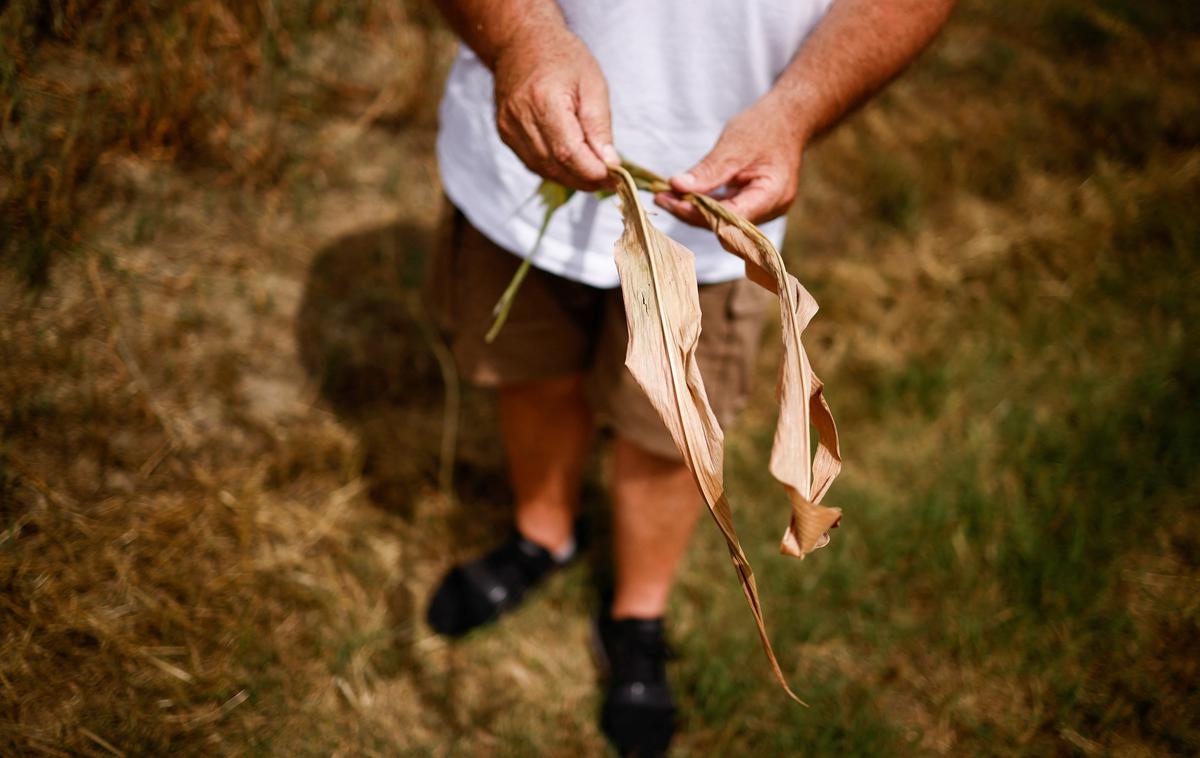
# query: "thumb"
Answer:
x=717 y=168
x=596 y=120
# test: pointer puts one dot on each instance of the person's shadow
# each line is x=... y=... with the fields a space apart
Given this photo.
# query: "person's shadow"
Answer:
x=366 y=341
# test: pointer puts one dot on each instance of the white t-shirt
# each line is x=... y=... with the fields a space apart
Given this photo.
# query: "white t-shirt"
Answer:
x=677 y=70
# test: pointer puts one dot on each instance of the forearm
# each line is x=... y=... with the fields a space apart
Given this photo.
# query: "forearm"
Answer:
x=857 y=48
x=489 y=27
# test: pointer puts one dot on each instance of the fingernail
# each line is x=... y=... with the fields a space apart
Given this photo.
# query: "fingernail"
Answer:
x=610 y=155
x=684 y=180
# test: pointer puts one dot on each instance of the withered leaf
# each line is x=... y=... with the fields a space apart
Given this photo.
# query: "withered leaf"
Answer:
x=662 y=306
x=805 y=477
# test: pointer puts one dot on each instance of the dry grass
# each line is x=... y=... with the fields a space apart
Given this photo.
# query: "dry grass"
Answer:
x=198 y=83
x=219 y=416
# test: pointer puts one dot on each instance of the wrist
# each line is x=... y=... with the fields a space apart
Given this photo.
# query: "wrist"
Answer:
x=531 y=33
x=797 y=104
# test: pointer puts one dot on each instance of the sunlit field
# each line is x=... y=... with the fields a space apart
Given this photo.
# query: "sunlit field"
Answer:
x=223 y=405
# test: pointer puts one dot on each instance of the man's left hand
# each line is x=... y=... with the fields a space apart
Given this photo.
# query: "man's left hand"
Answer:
x=756 y=162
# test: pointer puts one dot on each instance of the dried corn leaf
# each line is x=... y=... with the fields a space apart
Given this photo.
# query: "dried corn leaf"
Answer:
x=805 y=477
x=658 y=285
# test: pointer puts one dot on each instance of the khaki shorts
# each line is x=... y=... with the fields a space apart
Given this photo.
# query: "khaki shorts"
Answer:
x=559 y=327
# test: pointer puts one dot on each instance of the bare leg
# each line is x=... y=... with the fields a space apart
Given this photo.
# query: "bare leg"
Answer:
x=655 y=508
x=547 y=430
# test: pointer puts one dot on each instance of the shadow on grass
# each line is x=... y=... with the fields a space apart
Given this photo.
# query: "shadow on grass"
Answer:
x=365 y=341
x=364 y=337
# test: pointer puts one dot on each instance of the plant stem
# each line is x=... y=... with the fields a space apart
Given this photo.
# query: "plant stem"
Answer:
x=555 y=196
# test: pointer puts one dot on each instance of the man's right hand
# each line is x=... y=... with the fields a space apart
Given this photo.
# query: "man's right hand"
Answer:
x=552 y=108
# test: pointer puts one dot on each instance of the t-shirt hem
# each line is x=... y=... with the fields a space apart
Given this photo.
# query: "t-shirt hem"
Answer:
x=517 y=237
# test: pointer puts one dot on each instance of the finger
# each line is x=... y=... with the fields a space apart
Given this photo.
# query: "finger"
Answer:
x=718 y=167
x=681 y=209
x=757 y=202
x=519 y=131
x=546 y=166
x=564 y=139
x=596 y=119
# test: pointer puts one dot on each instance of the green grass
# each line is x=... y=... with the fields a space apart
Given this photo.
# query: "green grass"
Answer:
x=1033 y=459
x=1012 y=551
x=1005 y=248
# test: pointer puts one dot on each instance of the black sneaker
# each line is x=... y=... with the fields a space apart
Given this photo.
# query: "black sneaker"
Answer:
x=638 y=714
x=478 y=592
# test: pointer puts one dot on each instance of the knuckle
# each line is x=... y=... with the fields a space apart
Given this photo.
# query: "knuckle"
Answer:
x=564 y=152
x=594 y=102
x=504 y=115
x=541 y=92
x=508 y=121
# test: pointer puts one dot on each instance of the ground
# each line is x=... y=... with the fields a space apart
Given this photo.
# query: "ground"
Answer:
x=222 y=413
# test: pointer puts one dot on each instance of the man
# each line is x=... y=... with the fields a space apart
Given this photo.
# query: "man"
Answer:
x=723 y=97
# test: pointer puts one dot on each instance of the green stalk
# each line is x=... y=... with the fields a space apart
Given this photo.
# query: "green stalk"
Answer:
x=554 y=196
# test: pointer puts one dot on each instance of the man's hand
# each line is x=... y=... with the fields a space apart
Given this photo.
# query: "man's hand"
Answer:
x=756 y=160
x=856 y=49
x=551 y=98
x=552 y=109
